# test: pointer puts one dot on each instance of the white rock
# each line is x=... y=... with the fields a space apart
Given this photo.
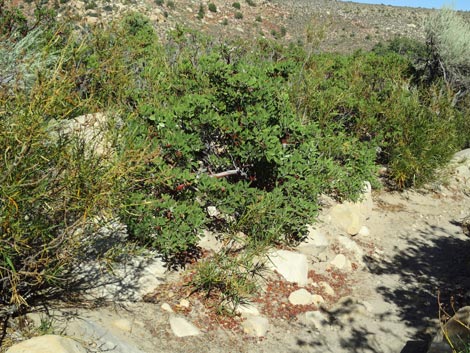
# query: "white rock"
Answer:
x=327 y=288
x=183 y=328
x=364 y=231
x=317 y=299
x=290 y=265
x=209 y=241
x=212 y=211
x=48 y=344
x=301 y=297
x=462 y=156
x=339 y=261
x=166 y=307
x=315 y=243
x=347 y=216
x=247 y=309
x=184 y=303
x=123 y=325
x=256 y=326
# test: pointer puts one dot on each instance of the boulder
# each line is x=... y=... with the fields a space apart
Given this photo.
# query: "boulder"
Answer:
x=48 y=344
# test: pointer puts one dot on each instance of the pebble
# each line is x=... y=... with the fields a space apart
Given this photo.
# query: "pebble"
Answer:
x=301 y=297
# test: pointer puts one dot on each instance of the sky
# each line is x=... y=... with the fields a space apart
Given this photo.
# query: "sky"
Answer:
x=456 y=4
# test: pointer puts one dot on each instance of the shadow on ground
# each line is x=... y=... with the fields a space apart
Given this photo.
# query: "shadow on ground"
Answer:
x=433 y=269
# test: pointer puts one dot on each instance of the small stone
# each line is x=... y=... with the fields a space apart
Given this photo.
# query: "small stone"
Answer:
x=183 y=328
x=339 y=261
x=364 y=231
x=256 y=326
x=47 y=344
x=184 y=303
x=212 y=211
x=166 y=307
x=327 y=288
x=301 y=297
x=317 y=299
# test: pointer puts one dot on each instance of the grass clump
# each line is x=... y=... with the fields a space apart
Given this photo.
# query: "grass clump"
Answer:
x=238 y=15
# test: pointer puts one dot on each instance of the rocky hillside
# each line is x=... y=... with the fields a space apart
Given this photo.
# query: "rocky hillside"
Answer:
x=339 y=26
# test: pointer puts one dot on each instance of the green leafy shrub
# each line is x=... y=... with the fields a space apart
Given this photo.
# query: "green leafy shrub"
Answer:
x=251 y=3
x=212 y=7
x=238 y=15
x=236 y=5
x=201 y=12
x=414 y=128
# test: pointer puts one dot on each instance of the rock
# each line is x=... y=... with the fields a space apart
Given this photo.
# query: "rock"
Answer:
x=340 y=261
x=325 y=286
x=290 y=265
x=48 y=344
x=315 y=243
x=301 y=297
x=184 y=303
x=91 y=128
x=166 y=307
x=462 y=156
x=347 y=216
x=212 y=211
x=183 y=328
x=256 y=326
x=104 y=336
x=364 y=231
x=209 y=241
x=247 y=309
x=457 y=330
x=317 y=299
x=350 y=216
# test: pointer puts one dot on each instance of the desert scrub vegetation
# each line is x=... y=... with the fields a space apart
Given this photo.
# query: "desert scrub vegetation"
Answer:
x=236 y=138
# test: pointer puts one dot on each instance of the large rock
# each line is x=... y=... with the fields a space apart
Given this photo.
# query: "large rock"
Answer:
x=350 y=216
x=48 y=344
x=290 y=265
x=183 y=328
